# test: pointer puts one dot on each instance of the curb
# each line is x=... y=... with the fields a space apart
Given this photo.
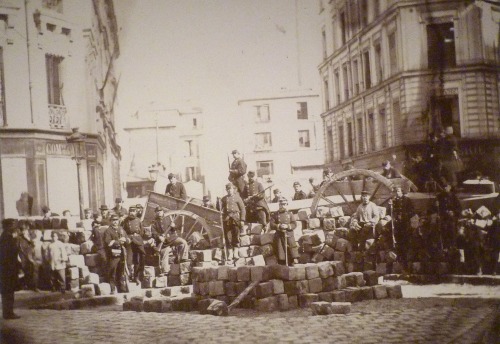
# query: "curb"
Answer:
x=436 y=279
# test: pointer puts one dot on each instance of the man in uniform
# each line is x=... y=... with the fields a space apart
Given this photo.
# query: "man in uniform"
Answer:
x=119 y=209
x=165 y=238
x=299 y=193
x=237 y=171
x=233 y=215
x=255 y=202
x=105 y=221
x=400 y=209
x=448 y=208
x=207 y=203
x=9 y=267
x=115 y=238
x=135 y=251
x=287 y=252
x=363 y=222
x=389 y=172
x=277 y=196
x=175 y=188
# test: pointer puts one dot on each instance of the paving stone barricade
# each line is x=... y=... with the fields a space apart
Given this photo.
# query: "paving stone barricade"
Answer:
x=279 y=288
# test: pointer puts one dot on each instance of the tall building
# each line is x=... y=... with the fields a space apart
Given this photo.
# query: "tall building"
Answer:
x=168 y=140
x=282 y=138
x=394 y=71
x=57 y=90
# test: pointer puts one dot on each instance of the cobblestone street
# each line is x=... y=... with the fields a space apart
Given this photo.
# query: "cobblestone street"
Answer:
x=413 y=320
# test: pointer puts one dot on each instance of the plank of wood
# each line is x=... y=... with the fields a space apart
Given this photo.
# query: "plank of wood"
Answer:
x=243 y=294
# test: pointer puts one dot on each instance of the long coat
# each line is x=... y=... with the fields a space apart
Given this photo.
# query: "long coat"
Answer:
x=282 y=234
x=9 y=264
x=238 y=177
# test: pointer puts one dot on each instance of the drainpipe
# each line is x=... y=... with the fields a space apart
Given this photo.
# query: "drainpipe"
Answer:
x=29 y=60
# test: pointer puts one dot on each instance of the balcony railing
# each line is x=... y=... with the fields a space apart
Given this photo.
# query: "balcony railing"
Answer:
x=58 y=118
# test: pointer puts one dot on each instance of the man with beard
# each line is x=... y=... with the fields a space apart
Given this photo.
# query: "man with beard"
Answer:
x=285 y=246
x=135 y=251
x=115 y=238
x=237 y=171
x=400 y=209
x=255 y=202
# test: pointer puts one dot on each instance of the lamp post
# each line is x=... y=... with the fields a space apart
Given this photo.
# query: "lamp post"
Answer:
x=78 y=140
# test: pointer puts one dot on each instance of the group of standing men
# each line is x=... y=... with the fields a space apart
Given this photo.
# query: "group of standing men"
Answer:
x=245 y=202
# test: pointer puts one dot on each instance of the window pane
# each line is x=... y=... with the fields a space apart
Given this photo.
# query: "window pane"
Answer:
x=304 y=138
x=263 y=141
x=302 y=110
x=441 y=45
x=264 y=168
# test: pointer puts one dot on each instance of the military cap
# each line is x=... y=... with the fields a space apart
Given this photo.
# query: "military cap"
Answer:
x=275 y=191
x=170 y=175
x=118 y=200
x=159 y=208
x=235 y=151
x=206 y=198
x=132 y=207
x=139 y=206
x=114 y=217
x=104 y=207
x=229 y=186
x=296 y=183
x=365 y=192
x=251 y=173
x=45 y=208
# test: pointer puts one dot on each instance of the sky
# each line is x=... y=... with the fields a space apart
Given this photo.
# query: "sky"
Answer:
x=209 y=54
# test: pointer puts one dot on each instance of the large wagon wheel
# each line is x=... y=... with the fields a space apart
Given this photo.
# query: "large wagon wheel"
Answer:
x=344 y=189
x=192 y=227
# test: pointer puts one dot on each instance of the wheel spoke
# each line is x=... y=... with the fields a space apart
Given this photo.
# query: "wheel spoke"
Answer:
x=352 y=190
x=375 y=192
x=343 y=197
x=328 y=200
x=191 y=229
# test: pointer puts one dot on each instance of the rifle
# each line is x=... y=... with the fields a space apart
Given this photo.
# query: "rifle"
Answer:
x=219 y=203
x=392 y=223
x=250 y=200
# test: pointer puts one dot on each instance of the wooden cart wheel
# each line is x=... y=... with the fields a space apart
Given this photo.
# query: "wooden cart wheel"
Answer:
x=344 y=189
x=191 y=227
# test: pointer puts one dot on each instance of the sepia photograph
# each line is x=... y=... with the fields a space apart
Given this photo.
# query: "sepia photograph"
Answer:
x=249 y=171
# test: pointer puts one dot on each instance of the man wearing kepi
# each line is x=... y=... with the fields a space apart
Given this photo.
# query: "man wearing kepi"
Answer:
x=9 y=267
x=233 y=215
x=135 y=251
x=285 y=246
x=115 y=238
x=363 y=222
x=400 y=209
x=166 y=239
x=254 y=198
x=237 y=171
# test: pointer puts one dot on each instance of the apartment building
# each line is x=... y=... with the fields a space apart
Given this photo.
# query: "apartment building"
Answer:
x=57 y=90
x=394 y=71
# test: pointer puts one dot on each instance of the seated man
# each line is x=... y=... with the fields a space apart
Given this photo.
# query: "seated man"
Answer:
x=363 y=222
x=166 y=238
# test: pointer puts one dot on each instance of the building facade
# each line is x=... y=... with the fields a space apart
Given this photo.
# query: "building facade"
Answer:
x=166 y=140
x=57 y=73
x=282 y=137
x=395 y=71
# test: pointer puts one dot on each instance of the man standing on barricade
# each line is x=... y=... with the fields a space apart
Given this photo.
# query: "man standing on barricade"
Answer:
x=175 y=188
x=115 y=238
x=255 y=202
x=448 y=208
x=233 y=216
x=285 y=246
x=363 y=222
x=401 y=210
x=237 y=171
x=135 y=251
x=166 y=238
